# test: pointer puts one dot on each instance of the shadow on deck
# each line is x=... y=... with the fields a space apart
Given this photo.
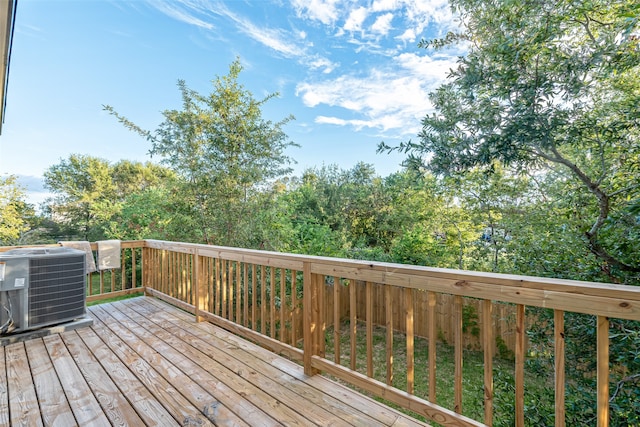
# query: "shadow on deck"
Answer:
x=144 y=362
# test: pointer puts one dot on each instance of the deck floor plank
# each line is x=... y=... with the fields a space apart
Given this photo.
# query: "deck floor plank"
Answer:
x=207 y=367
x=23 y=401
x=147 y=369
x=250 y=364
x=337 y=398
x=54 y=407
x=83 y=403
x=4 y=394
x=153 y=413
x=230 y=404
x=146 y=363
x=115 y=406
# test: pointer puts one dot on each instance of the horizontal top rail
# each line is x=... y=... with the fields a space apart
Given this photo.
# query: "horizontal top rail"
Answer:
x=602 y=299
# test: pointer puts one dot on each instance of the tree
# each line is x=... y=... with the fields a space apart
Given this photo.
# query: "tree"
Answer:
x=14 y=211
x=83 y=195
x=223 y=149
x=548 y=86
x=89 y=194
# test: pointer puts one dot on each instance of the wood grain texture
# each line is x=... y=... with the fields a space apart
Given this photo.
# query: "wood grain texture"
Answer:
x=4 y=395
x=143 y=362
x=53 y=403
x=23 y=403
x=114 y=404
x=336 y=398
x=82 y=401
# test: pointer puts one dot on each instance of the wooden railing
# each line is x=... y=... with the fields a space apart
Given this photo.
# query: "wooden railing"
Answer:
x=301 y=306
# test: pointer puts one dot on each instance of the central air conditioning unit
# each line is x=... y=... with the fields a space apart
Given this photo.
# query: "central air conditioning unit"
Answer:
x=41 y=287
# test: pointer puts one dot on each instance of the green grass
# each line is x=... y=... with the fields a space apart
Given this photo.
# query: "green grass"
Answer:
x=120 y=298
x=473 y=371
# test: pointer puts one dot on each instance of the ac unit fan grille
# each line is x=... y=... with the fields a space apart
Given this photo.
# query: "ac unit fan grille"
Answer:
x=56 y=289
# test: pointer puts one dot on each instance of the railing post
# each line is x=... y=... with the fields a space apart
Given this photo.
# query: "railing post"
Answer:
x=145 y=261
x=310 y=319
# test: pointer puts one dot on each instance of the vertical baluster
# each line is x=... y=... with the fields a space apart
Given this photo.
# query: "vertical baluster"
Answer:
x=272 y=302
x=353 y=322
x=254 y=298
x=369 y=320
x=487 y=320
x=336 y=319
x=603 y=371
x=388 y=302
x=519 y=368
x=294 y=307
x=408 y=296
x=283 y=301
x=431 y=297
x=263 y=300
x=558 y=326
x=246 y=296
x=457 y=337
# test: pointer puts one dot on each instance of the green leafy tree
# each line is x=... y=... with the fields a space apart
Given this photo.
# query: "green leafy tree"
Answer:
x=90 y=193
x=223 y=149
x=548 y=85
x=14 y=211
x=84 y=196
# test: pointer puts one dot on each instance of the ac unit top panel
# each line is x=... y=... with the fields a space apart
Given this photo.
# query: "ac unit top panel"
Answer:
x=36 y=252
x=14 y=264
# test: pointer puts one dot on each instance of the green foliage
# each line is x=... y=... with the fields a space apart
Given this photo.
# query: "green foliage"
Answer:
x=90 y=195
x=548 y=86
x=470 y=320
x=15 y=213
x=223 y=151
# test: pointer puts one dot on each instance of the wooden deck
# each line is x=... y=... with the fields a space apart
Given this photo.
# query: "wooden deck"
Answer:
x=144 y=362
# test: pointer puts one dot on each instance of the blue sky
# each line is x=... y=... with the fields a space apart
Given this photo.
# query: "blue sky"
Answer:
x=349 y=71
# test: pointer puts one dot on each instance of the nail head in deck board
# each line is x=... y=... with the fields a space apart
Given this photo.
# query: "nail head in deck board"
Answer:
x=52 y=401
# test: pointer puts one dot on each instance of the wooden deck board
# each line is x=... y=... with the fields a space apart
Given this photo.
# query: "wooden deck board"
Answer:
x=23 y=403
x=114 y=404
x=207 y=367
x=82 y=401
x=268 y=381
x=254 y=362
x=53 y=403
x=317 y=389
x=145 y=363
x=4 y=393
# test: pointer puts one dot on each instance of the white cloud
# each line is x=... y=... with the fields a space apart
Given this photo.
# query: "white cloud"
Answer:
x=324 y=11
x=393 y=99
x=408 y=36
x=355 y=19
x=271 y=38
x=172 y=10
x=324 y=63
x=382 y=24
x=385 y=5
x=192 y=12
